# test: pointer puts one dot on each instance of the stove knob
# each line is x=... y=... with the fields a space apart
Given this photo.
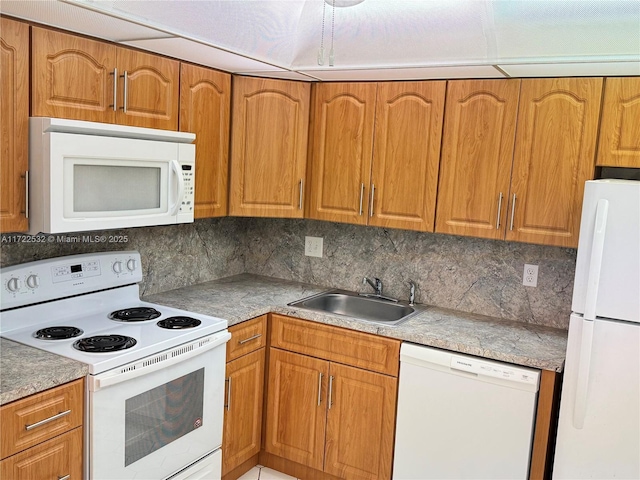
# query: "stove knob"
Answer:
x=132 y=264
x=13 y=285
x=33 y=281
x=117 y=267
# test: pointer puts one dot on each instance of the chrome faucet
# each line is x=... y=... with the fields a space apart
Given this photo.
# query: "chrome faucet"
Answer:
x=412 y=293
x=377 y=286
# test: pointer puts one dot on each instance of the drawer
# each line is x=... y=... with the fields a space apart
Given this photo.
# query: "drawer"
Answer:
x=60 y=457
x=363 y=350
x=39 y=417
x=247 y=337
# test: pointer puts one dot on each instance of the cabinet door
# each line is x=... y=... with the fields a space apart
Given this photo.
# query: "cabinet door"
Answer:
x=296 y=407
x=343 y=116
x=150 y=92
x=619 y=126
x=204 y=110
x=477 y=153
x=360 y=423
x=554 y=156
x=406 y=154
x=60 y=457
x=269 y=147
x=14 y=121
x=72 y=77
x=243 y=410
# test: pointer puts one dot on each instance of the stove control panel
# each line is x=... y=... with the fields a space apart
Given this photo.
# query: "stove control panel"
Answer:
x=60 y=277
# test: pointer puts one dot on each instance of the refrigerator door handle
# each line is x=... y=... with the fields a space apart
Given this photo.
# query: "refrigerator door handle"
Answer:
x=593 y=283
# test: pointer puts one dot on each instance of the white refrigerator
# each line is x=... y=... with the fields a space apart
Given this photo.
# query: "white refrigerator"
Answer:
x=599 y=422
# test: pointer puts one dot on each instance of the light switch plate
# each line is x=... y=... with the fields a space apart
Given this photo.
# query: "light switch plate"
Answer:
x=313 y=246
x=530 y=275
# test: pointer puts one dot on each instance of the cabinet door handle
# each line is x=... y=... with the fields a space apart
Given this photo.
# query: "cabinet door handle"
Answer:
x=242 y=342
x=301 y=192
x=513 y=210
x=126 y=91
x=319 y=388
x=499 y=210
x=361 y=196
x=330 y=391
x=115 y=89
x=66 y=477
x=228 y=405
x=46 y=420
x=373 y=191
x=26 y=193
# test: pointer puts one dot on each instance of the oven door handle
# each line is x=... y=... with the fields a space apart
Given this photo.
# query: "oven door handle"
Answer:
x=157 y=362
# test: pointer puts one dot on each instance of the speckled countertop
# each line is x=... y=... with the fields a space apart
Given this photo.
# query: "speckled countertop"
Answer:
x=245 y=296
x=26 y=370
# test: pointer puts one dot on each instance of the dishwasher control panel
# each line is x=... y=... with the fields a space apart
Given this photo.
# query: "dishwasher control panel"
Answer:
x=489 y=369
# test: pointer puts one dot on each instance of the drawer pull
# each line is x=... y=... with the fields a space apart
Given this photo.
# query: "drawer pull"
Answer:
x=242 y=342
x=66 y=477
x=330 y=391
x=228 y=405
x=47 y=420
x=319 y=388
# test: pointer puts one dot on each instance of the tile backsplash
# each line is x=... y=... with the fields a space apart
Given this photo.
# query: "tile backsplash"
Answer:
x=468 y=274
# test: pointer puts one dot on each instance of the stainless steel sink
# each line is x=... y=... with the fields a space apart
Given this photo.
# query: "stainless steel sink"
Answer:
x=349 y=304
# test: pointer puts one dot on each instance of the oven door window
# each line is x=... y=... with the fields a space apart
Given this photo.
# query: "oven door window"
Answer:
x=163 y=414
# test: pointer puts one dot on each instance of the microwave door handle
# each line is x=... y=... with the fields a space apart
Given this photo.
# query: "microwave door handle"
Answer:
x=175 y=168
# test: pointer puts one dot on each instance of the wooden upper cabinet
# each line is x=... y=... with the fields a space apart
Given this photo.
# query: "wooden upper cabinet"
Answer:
x=406 y=154
x=268 y=147
x=150 y=90
x=554 y=156
x=73 y=77
x=14 y=121
x=205 y=100
x=342 y=143
x=620 y=123
x=477 y=153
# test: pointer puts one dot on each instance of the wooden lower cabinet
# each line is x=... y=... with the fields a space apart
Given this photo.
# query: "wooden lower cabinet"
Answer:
x=60 y=457
x=330 y=417
x=243 y=410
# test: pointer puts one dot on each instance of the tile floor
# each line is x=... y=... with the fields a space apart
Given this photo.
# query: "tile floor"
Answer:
x=263 y=473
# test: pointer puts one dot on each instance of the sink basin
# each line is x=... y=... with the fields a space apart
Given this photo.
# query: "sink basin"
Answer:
x=352 y=305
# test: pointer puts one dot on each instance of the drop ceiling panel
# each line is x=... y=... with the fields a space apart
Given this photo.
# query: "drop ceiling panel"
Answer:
x=610 y=69
x=483 y=71
x=202 y=54
x=75 y=19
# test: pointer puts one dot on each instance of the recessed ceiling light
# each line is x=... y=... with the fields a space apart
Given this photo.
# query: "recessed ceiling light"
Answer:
x=343 y=3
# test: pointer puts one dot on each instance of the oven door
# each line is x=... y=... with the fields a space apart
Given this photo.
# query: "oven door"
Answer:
x=159 y=415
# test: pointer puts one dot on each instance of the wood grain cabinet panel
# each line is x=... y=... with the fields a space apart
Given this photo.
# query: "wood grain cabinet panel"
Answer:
x=14 y=124
x=243 y=409
x=39 y=417
x=78 y=78
x=620 y=123
x=150 y=92
x=296 y=408
x=268 y=147
x=360 y=424
x=72 y=77
x=477 y=154
x=340 y=160
x=60 y=457
x=205 y=102
x=554 y=156
x=406 y=154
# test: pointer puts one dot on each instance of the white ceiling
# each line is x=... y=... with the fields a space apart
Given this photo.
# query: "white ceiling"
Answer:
x=374 y=40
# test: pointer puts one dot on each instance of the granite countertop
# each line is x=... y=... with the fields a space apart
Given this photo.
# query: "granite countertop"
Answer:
x=246 y=296
x=26 y=370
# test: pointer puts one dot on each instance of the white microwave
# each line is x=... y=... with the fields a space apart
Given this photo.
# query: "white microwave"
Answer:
x=96 y=176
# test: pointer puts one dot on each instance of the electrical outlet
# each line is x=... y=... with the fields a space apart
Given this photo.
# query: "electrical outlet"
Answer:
x=530 y=275
x=313 y=246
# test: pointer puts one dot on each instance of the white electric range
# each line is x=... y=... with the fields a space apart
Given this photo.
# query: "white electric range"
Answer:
x=155 y=389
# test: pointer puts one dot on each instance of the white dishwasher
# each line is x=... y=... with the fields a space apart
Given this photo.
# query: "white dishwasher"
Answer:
x=462 y=417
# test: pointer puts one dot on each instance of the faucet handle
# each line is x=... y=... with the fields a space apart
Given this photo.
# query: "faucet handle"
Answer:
x=412 y=292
